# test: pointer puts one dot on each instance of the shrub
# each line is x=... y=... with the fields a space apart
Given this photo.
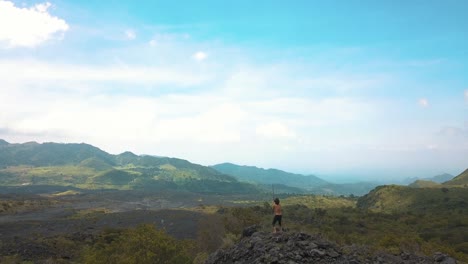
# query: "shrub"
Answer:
x=144 y=244
x=210 y=233
x=239 y=218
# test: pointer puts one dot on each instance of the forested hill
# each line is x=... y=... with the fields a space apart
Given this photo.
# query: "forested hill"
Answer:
x=50 y=154
x=86 y=166
x=56 y=154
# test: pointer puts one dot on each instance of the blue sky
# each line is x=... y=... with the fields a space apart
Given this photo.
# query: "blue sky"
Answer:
x=351 y=89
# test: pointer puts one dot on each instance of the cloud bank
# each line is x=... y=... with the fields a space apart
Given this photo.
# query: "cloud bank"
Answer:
x=28 y=27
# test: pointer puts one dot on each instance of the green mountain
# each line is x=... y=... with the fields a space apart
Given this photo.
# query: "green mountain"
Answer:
x=460 y=180
x=49 y=154
x=397 y=198
x=85 y=166
x=285 y=182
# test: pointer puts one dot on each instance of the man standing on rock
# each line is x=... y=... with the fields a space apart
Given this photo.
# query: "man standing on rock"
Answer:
x=278 y=214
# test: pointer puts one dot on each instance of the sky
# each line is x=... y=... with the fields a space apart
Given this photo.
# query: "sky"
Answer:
x=346 y=90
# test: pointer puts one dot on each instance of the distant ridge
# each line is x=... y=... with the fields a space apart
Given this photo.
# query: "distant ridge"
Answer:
x=441 y=178
x=286 y=182
x=269 y=176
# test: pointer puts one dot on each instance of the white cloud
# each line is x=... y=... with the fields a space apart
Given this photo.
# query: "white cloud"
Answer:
x=423 y=102
x=130 y=34
x=39 y=73
x=28 y=27
x=200 y=56
x=466 y=95
x=153 y=43
x=312 y=113
x=275 y=130
x=219 y=123
x=42 y=7
x=162 y=120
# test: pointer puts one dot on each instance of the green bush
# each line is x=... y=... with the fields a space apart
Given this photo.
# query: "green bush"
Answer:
x=141 y=245
x=238 y=218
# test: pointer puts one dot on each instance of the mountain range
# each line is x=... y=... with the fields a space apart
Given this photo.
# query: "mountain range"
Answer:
x=88 y=167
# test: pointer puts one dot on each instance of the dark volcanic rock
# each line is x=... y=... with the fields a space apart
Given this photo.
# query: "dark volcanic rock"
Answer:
x=249 y=231
x=442 y=258
x=290 y=248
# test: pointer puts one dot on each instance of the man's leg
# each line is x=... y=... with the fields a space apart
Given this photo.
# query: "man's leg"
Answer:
x=274 y=222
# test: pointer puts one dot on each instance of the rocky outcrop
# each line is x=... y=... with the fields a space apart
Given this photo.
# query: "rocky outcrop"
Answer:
x=291 y=248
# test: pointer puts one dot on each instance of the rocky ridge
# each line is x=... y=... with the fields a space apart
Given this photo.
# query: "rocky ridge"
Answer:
x=291 y=248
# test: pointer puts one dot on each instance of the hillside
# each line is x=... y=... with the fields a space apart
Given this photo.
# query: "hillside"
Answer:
x=396 y=198
x=460 y=180
x=88 y=167
x=49 y=154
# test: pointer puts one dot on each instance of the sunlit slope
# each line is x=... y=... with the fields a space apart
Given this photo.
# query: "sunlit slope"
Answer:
x=394 y=198
x=460 y=180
